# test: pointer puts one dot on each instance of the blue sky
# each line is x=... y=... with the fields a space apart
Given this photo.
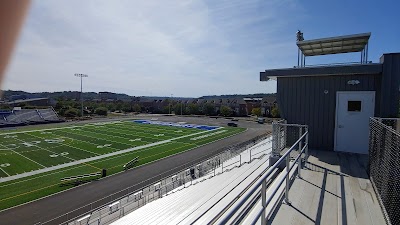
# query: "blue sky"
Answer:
x=185 y=48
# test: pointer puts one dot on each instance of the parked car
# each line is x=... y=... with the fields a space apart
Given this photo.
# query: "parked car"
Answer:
x=232 y=124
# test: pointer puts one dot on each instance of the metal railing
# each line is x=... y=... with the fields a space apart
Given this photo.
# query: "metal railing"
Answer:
x=334 y=64
x=285 y=135
x=115 y=206
x=262 y=182
x=384 y=165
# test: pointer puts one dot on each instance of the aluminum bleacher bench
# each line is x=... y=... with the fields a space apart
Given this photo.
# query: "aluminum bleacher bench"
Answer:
x=80 y=176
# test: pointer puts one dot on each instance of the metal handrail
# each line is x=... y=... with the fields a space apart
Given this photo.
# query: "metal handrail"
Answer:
x=335 y=64
x=268 y=200
x=264 y=177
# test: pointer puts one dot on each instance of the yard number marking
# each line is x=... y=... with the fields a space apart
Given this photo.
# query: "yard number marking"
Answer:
x=61 y=154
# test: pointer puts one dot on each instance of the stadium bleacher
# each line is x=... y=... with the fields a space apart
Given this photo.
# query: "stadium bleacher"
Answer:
x=199 y=203
x=188 y=200
x=48 y=114
x=28 y=116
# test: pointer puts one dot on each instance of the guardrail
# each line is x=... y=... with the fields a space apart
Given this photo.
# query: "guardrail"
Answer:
x=335 y=64
x=262 y=182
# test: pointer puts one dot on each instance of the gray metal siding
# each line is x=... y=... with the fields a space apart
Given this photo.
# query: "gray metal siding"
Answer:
x=390 y=85
x=302 y=101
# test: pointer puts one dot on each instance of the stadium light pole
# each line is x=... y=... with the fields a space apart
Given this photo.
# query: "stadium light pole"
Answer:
x=81 y=76
x=170 y=105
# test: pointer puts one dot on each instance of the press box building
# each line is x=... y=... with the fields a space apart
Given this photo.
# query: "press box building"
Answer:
x=337 y=100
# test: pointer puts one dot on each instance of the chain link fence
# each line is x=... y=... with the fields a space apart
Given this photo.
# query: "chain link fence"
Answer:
x=112 y=208
x=384 y=165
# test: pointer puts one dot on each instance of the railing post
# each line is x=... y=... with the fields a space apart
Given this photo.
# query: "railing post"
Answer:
x=306 y=156
x=263 y=201
x=214 y=169
x=287 y=179
x=300 y=148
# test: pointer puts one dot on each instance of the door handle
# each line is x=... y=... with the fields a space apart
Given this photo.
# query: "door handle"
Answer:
x=340 y=126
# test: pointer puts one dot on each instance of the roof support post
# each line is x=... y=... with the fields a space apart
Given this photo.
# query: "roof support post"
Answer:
x=362 y=56
x=298 y=57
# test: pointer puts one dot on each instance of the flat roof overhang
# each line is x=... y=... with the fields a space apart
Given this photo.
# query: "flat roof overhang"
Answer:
x=334 y=45
x=372 y=68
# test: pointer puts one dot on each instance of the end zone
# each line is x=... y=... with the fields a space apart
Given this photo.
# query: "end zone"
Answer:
x=201 y=127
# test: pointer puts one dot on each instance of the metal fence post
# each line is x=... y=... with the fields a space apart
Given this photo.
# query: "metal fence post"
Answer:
x=300 y=148
x=287 y=180
x=306 y=156
x=263 y=201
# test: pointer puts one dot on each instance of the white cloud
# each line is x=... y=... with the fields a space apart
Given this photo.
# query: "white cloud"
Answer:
x=185 y=48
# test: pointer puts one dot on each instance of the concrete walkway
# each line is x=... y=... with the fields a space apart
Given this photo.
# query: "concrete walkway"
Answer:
x=334 y=189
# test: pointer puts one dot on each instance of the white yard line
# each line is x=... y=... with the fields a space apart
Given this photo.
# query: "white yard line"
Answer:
x=142 y=136
x=102 y=139
x=24 y=156
x=44 y=149
x=96 y=157
x=65 y=145
x=4 y=171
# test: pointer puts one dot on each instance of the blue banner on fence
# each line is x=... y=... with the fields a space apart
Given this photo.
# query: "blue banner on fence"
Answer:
x=172 y=124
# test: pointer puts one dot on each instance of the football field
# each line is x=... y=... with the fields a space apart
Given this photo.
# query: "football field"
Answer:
x=48 y=155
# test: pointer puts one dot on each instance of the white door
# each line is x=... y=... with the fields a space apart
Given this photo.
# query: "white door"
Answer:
x=353 y=110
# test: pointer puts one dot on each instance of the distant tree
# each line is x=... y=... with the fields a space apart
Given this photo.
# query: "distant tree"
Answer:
x=127 y=107
x=177 y=108
x=118 y=106
x=226 y=110
x=59 y=105
x=101 y=111
x=72 y=112
x=110 y=107
x=166 y=109
x=137 y=108
x=275 y=112
x=256 y=111
x=5 y=107
x=209 y=109
x=193 y=109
